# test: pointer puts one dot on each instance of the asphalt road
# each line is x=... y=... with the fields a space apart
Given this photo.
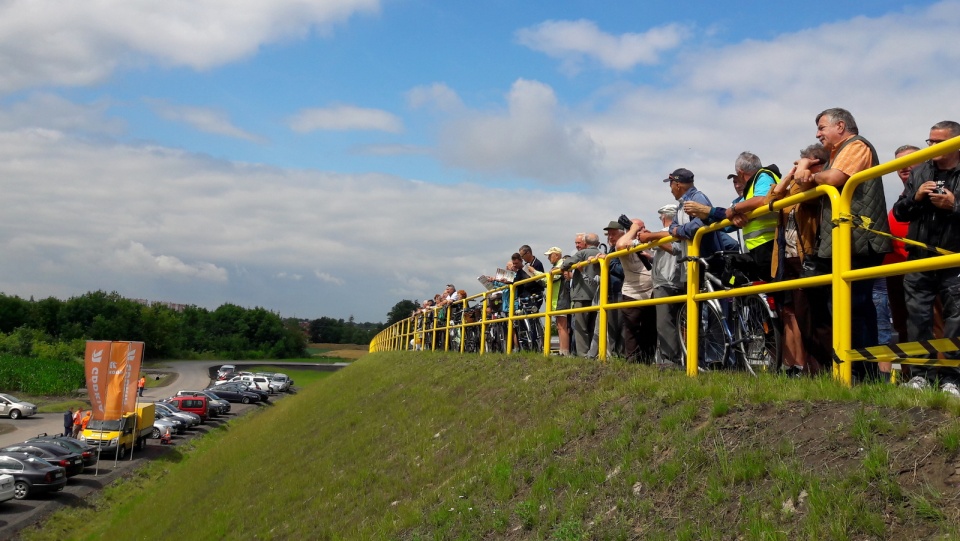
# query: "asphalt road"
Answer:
x=191 y=375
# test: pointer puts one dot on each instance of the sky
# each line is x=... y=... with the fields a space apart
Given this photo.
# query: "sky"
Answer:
x=333 y=157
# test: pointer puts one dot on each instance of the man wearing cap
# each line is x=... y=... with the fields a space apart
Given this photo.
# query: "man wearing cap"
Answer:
x=684 y=226
x=665 y=277
x=583 y=288
x=614 y=289
x=560 y=299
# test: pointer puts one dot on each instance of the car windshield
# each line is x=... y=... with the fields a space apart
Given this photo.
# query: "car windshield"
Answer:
x=11 y=398
x=38 y=461
x=104 y=425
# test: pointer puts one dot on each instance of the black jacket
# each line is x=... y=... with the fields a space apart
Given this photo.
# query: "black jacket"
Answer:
x=929 y=224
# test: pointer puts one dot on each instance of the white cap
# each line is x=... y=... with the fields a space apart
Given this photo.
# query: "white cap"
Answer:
x=668 y=210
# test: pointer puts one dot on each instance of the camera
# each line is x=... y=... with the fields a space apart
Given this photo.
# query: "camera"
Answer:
x=939 y=189
x=625 y=222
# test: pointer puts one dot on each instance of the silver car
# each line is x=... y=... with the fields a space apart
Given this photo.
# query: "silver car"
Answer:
x=15 y=408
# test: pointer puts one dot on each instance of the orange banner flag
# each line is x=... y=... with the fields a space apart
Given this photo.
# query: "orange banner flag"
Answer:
x=112 y=370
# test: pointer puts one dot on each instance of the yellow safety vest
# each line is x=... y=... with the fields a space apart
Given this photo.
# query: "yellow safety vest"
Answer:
x=759 y=230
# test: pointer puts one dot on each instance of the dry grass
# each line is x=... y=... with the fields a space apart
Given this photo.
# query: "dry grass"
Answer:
x=350 y=352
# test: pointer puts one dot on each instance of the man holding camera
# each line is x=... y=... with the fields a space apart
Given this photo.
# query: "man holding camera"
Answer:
x=929 y=204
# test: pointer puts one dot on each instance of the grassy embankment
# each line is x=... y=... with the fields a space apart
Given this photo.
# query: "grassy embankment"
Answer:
x=435 y=446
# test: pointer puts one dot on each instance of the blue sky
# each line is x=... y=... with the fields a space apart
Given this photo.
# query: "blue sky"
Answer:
x=333 y=157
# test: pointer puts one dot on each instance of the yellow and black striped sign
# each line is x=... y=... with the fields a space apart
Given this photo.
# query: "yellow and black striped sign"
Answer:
x=910 y=352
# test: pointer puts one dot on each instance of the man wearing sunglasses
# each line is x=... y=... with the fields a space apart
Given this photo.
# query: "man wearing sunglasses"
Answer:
x=929 y=204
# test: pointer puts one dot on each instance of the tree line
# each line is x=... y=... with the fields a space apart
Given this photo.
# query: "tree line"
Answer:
x=58 y=329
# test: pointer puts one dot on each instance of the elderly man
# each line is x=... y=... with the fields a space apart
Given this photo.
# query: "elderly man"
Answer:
x=752 y=183
x=850 y=154
x=638 y=324
x=930 y=205
x=665 y=277
x=685 y=226
x=583 y=288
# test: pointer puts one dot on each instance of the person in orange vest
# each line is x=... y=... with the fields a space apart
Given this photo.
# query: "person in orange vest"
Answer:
x=86 y=420
x=141 y=383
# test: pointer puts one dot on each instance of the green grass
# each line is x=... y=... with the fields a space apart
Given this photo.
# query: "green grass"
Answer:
x=438 y=446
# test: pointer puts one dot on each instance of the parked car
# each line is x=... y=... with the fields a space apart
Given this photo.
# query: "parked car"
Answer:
x=71 y=462
x=7 y=491
x=234 y=393
x=87 y=452
x=192 y=419
x=276 y=386
x=259 y=382
x=250 y=387
x=283 y=380
x=32 y=475
x=15 y=408
x=217 y=404
x=171 y=418
x=198 y=405
x=162 y=424
x=226 y=371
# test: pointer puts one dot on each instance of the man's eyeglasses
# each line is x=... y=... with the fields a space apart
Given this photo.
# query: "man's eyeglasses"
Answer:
x=931 y=142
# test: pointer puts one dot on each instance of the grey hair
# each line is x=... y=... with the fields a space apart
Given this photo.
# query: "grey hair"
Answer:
x=748 y=162
x=816 y=152
x=591 y=239
x=836 y=114
x=948 y=125
x=905 y=148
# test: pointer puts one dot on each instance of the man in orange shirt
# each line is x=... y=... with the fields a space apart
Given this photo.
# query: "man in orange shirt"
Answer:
x=86 y=420
x=141 y=384
x=850 y=154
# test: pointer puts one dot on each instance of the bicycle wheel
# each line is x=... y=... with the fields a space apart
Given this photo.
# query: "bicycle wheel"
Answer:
x=495 y=339
x=471 y=340
x=759 y=336
x=536 y=329
x=713 y=337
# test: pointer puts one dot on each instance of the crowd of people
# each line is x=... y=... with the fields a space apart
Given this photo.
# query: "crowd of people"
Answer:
x=793 y=242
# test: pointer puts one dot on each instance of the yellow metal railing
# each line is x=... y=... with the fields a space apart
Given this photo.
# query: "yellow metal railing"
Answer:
x=402 y=334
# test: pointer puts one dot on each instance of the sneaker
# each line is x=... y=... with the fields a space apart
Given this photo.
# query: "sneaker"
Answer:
x=951 y=388
x=918 y=382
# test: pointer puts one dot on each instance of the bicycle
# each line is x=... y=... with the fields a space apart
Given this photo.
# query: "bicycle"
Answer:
x=750 y=339
x=530 y=330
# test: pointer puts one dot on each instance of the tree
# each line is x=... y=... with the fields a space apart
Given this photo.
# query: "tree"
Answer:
x=401 y=311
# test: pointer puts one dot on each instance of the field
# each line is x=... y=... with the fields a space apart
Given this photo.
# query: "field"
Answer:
x=417 y=446
x=337 y=352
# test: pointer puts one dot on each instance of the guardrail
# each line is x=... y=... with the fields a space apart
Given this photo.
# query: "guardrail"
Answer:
x=404 y=335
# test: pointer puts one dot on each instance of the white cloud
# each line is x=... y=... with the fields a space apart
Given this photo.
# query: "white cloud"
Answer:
x=201 y=118
x=438 y=95
x=137 y=259
x=575 y=41
x=345 y=118
x=83 y=43
x=529 y=140
x=329 y=278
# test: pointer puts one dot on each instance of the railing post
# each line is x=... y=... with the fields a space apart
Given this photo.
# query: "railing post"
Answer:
x=693 y=314
x=602 y=315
